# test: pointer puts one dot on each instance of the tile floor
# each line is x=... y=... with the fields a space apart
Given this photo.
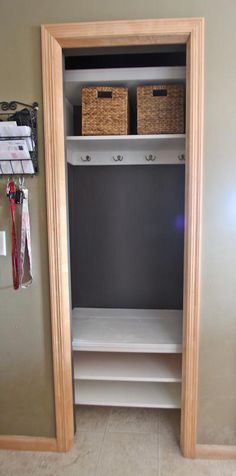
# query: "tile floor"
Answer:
x=117 y=442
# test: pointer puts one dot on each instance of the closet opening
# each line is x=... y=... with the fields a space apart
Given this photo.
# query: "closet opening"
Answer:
x=132 y=150
x=126 y=208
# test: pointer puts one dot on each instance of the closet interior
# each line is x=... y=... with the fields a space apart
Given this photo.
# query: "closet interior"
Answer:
x=126 y=198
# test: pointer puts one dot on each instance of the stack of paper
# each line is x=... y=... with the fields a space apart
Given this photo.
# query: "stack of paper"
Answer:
x=15 y=153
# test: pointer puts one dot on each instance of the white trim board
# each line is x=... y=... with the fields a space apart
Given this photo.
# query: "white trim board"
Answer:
x=127 y=330
x=128 y=394
x=134 y=149
x=127 y=367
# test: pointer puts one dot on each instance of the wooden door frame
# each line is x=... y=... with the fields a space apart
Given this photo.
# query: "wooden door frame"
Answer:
x=55 y=37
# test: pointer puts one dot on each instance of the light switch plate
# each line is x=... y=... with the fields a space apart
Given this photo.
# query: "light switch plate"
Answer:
x=3 y=249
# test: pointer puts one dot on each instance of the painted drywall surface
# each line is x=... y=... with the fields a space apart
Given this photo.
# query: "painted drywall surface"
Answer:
x=25 y=352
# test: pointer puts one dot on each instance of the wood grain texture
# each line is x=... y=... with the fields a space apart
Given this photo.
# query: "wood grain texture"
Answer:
x=192 y=257
x=57 y=237
x=138 y=32
x=27 y=443
x=124 y=32
x=215 y=452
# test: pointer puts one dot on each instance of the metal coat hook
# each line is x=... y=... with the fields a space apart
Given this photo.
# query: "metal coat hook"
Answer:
x=181 y=157
x=118 y=158
x=150 y=157
x=87 y=158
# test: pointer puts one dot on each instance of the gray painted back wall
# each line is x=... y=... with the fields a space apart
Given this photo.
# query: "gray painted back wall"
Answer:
x=26 y=393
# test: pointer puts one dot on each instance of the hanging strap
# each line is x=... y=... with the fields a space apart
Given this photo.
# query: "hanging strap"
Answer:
x=25 y=243
x=15 y=268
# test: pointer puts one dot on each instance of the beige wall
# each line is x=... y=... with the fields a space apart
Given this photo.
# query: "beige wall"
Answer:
x=26 y=393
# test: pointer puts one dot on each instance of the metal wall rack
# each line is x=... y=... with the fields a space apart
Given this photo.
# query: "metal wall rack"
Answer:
x=24 y=115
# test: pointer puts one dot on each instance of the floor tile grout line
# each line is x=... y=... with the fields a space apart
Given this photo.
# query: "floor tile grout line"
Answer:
x=142 y=432
x=102 y=442
x=130 y=432
x=108 y=420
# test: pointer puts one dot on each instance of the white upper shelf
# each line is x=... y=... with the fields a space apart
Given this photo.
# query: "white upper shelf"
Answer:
x=129 y=77
x=134 y=148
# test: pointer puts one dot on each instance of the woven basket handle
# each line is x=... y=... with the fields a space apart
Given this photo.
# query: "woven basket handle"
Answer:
x=104 y=94
x=159 y=92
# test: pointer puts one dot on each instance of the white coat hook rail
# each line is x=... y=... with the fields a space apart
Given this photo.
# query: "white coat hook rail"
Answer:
x=150 y=158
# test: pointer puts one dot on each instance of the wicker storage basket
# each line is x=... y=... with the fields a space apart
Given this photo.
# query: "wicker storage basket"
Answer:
x=104 y=110
x=160 y=109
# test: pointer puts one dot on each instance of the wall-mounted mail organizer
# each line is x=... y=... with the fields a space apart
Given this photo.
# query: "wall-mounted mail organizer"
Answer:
x=18 y=138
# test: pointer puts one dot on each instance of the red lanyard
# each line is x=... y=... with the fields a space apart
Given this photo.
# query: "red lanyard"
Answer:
x=25 y=242
x=15 y=267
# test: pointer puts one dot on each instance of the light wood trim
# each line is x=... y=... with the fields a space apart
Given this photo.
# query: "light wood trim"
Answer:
x=123 y=32
x=27 y=443
x=57 y=237
x=215 y=452
x=192 y=258
x=138 y=32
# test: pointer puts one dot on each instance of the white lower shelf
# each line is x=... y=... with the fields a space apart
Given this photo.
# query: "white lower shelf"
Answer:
x=127 y=367
x=128 y=394
x=127 y=330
